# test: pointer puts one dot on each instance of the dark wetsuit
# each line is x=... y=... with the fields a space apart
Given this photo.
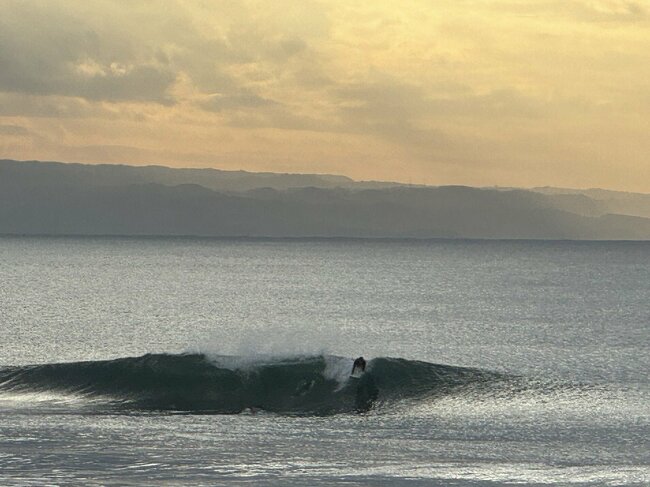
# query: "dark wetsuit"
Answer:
x=359 y=364
x=366 y=390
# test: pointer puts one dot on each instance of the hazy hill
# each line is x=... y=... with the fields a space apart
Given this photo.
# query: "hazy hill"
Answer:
x=603 y=201
x=81 y=202
x=34 y=173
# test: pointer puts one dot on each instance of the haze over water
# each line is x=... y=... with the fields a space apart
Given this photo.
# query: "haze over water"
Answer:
x=564 y=324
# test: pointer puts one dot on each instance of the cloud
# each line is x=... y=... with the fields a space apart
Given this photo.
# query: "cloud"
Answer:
x=280 y=117
x=438 y=89
x=104 y=52
x=415 y=117
x=47 y=49
x=388 y=109
x=587 y=11
x=134 y=83
x=504 y=102
x=13 y=130
x=612 y=10
x=220 y=102
x=54 y=107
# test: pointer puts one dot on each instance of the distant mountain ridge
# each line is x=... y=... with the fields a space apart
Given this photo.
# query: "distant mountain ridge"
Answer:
x=63 y=199
x=608 y=201
x=48 y=173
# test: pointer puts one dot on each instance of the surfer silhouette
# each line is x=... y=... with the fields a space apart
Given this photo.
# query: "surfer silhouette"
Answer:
x=359 y=366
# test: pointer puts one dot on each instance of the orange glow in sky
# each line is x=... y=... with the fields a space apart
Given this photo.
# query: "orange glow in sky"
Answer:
x=477 y=92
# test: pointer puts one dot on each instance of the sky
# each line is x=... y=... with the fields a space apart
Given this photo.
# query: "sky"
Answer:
x=476 y=92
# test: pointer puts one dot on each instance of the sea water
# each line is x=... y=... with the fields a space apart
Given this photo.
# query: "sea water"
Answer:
x=139 y=361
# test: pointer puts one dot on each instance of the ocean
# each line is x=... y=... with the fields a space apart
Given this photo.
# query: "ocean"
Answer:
x=189 y=361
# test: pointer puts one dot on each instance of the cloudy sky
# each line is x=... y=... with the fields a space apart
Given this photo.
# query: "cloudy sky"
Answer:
x=476 y=92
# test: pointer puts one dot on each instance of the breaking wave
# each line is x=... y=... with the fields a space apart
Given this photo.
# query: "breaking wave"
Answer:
x=196 y=383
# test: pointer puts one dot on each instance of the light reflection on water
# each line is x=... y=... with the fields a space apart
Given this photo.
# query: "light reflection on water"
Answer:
x=570 y=319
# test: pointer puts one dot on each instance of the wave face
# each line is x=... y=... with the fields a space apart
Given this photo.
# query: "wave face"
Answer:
x=194 y=383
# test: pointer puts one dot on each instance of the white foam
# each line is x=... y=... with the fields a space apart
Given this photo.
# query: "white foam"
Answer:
x=251 y=361
x=266 y=341
x=40 y=397
x=338 y=369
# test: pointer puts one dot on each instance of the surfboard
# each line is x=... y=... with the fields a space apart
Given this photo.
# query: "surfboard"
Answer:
x=356 y=374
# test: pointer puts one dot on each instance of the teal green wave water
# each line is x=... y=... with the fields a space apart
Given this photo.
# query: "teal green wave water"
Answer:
x=316 y=385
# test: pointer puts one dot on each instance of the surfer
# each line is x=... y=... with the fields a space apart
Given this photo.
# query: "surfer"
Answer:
x=359 y=366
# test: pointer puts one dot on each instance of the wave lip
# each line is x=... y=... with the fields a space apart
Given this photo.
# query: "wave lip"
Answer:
x=197 y=384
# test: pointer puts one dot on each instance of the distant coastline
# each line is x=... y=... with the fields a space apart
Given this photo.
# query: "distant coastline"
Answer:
x=59 y=199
